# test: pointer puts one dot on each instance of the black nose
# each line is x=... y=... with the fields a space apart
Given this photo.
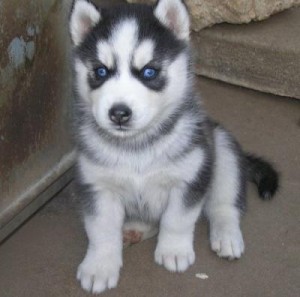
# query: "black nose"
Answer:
x=120 y=114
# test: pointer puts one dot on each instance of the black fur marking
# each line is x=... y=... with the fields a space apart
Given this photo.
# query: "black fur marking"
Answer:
x=156 y=84
x=241 y=202
x=262 y=173
x=202 y=137
x=85 y=195
x=167 y=46
x=198 y=188
x=200 y=185
x=96 y=82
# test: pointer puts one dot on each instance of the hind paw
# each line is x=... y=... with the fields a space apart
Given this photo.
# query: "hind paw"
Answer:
x=131 y=237
x=135 y=232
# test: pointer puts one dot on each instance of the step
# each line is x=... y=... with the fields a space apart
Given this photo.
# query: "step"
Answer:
x=264 y=55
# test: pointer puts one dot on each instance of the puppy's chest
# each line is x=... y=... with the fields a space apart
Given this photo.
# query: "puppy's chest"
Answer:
x=132 y=180
x=144 y=187
x=144 y=193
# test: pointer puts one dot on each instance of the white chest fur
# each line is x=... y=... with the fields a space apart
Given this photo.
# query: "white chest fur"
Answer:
x=142 y=183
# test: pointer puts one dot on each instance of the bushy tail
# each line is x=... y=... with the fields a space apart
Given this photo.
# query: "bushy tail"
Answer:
x=262 y=173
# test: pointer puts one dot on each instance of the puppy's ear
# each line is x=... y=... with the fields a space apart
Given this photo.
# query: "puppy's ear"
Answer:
x=174 y=15
x=84 y=16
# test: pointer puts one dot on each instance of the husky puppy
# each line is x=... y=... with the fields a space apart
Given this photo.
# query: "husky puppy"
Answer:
x=149 y=157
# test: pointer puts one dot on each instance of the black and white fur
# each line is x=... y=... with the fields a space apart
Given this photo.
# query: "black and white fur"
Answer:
x=169 y=162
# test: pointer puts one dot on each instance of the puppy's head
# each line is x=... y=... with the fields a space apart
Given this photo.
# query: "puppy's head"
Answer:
x=131 y=62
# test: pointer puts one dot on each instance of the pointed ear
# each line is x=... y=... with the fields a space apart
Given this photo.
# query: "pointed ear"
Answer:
x=84 y=16
x=174 y=15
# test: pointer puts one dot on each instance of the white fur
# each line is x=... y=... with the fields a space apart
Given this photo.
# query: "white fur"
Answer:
x=143 y=54
x=148 y=183
x=101 y=266
x=173 y=14
x=84 y=17
x=123 y=40
x=105 y=54
x=225 y=234
x=174 y=249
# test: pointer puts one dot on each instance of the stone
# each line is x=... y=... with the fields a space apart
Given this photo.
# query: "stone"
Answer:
x=206 y=13
x=263 y=56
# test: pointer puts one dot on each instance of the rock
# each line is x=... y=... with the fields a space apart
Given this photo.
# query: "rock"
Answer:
x=262 y=56
x=209 y=12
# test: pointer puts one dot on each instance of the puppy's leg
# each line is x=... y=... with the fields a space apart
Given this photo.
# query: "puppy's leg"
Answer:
x=101 y=266
x=175 y=249
x=227 y=195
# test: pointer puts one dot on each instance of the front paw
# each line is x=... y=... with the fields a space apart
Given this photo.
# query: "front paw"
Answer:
x=175 y=258
x=99 y=271
x=227 y=242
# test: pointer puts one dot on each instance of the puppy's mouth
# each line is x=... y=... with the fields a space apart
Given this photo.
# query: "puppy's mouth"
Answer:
x=125 y=131
x=122 y=128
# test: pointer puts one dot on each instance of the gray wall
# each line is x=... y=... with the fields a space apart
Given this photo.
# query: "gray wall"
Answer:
x=35 y=100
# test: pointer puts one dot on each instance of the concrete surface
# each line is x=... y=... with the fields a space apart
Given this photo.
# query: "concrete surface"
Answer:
x=264 y=56
x=41 y=258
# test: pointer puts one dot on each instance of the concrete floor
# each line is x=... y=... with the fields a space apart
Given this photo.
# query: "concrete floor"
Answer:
x=41 y=258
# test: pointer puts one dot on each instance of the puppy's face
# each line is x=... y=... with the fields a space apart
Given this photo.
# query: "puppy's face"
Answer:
x=130 y=68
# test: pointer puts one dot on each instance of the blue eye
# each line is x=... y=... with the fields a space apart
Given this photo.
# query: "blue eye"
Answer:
x=101 y=72
x=149 y=73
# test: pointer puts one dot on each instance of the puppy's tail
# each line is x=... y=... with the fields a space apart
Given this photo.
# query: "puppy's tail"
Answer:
x=263 y=174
